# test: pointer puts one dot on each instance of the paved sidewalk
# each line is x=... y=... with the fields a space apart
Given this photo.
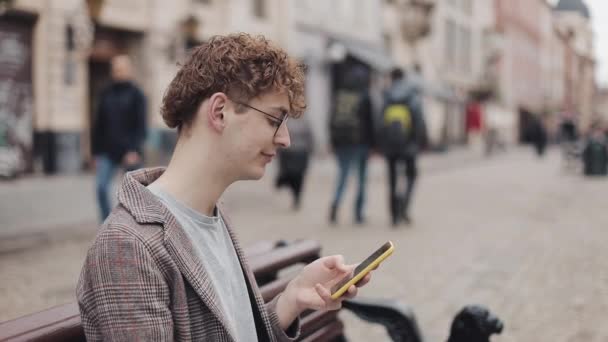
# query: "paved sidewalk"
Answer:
x=513 y=232
x=33 y=204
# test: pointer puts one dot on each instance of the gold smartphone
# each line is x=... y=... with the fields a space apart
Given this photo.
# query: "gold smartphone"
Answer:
x=362 y=269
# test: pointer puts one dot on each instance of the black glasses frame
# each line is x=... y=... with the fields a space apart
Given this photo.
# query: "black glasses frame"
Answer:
x=280 y=121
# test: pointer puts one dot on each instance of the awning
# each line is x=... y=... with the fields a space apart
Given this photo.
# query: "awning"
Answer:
x=375 y=56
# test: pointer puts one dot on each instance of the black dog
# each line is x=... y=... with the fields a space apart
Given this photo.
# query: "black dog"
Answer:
x=474 y=324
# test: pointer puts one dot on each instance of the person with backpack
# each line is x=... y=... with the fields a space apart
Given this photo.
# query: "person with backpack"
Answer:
x=352 y=136
x=403 y=131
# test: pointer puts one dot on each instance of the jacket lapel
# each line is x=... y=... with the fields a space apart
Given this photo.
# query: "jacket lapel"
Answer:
x=146 y=208
x=184 y=254
x=249 y=277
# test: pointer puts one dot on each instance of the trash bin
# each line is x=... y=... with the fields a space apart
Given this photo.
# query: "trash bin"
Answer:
x=595 y=158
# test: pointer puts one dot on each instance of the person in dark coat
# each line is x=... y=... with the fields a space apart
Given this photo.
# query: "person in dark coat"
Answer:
x=119 y=130
x=538 y=135
x=293 y=161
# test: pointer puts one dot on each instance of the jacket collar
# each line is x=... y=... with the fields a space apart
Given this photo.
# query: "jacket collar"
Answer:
x=146 y=208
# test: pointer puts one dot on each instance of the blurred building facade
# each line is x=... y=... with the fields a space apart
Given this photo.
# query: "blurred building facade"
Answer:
x=600 y=105
x=330 y=37
x=529 y=56
x=454 y=44
x=50 y=108
x=66 y=46
x=527 y=34
x=573 y=20
x=546 y=62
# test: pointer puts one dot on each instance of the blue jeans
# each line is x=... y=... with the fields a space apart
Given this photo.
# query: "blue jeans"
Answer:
x=105 y=169
x=348 y=156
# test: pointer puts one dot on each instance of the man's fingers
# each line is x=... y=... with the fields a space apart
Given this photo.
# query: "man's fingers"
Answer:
x=365 y=280
x=352 y=292
x=329 y=303
x=323 y=293
x=336 y=262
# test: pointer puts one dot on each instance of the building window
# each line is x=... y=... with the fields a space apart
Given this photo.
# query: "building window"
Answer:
x=451 y=40
x=259 y=8
x=458 y=45
x=388 y=43
x=467 y=7
x=465 y=52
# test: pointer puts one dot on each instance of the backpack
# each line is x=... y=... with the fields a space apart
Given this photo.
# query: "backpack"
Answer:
x=397 y=122
x=346 y=123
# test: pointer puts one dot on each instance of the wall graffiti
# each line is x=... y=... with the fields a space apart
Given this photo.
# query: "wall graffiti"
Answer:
x=16 y=98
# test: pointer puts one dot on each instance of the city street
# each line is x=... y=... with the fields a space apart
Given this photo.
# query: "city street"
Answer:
x=512 y=232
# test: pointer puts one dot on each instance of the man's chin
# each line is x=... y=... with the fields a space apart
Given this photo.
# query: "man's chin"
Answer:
x=256 y=174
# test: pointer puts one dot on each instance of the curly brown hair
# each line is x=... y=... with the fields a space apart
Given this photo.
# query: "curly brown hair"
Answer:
x=240 y=65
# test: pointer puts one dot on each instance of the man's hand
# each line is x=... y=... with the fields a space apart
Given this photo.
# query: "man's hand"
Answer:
x=131 y=158
x=311 y=288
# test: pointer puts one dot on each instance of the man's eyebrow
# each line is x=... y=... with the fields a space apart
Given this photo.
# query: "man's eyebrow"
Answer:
x=282 y=109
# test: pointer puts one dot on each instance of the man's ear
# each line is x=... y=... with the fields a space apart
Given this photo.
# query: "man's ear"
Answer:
x=215 y=111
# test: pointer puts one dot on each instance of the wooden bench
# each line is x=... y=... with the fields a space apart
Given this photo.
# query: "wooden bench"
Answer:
x=273 y=265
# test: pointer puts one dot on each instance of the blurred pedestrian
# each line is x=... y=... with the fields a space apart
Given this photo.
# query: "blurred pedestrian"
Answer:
x=568 y=138
x=293 y=161
x=119 y=130
x=537 y=134
x=474 y=123
x=568 y=130
x=403 y=131
x=352 y=136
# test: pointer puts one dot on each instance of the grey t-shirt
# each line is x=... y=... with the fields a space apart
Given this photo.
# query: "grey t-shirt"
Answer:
x=213 y=244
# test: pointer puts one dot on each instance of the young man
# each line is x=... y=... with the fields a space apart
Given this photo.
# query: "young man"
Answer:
x=119 y=130
x=166 y=264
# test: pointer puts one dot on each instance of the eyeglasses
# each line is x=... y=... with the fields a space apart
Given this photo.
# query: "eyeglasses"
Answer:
x=276 y=121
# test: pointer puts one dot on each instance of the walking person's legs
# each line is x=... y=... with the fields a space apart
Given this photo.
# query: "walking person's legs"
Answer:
x=411 y=173
x=391 y=164
x=303 y=159
x=104 y=172
x=362 y=156
x=343 y=156
x=296 y=188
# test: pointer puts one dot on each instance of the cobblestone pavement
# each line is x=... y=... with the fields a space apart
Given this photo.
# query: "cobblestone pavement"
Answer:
x=513 y=232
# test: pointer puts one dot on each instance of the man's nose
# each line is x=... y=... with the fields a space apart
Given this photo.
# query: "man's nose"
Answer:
x=282 y=137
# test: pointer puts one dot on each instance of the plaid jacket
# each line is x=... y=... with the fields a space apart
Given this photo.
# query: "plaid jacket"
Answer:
x=143 y=281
